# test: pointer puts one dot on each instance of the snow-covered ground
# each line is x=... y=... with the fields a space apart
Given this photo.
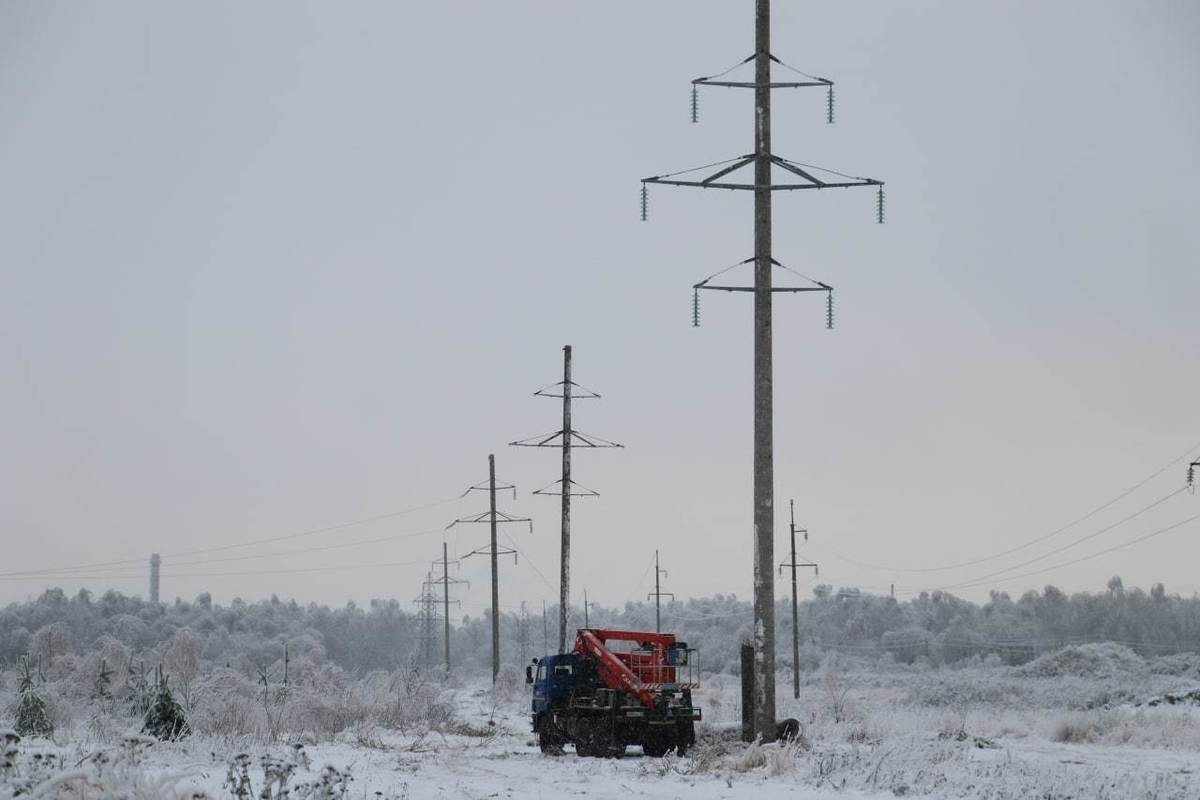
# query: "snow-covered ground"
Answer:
x=1072 y=726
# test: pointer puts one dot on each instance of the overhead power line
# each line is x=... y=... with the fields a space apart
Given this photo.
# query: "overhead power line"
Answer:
x=247 y=543
x=1037 y=540
x=1069 y=545
x=1090 y=556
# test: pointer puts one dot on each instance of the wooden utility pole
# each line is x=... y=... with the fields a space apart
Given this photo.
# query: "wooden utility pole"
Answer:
x=494 y=518
x=566 y=438
x=658 y=594
x=795 y=601
x=586 y=622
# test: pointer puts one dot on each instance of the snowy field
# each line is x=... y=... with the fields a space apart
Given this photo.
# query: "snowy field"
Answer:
x=1075 y=723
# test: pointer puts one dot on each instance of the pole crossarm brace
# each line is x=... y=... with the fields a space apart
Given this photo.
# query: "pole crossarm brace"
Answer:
x=812 y=80
x=487 y=551
x=584 y=491
x=555 y=390
x=486 y=516
x=805 y=171
x=798 y=565
x=1191 y=475
x=818 y=286
x=577 y=440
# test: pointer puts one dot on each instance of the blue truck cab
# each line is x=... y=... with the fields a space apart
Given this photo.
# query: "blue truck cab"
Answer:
x=552 y=677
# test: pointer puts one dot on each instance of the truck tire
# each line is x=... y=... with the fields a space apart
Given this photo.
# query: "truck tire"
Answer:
x=597 y=739
x=548 y=742
x=655 y=747
x=685 y=737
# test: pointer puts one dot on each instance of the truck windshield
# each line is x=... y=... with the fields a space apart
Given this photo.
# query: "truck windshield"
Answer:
x=541 y=673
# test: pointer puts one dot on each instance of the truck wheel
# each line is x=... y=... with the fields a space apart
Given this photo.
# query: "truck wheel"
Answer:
x=685 y=737
x=655 y=747
x=548 y=743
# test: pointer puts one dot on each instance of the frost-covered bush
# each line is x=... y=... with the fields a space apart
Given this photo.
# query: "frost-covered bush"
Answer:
x=1103 y=660
x=279 y=779
x=32 y=717
x=106 y=775
x=509 y=686
x=165 y=719
x=417 y=703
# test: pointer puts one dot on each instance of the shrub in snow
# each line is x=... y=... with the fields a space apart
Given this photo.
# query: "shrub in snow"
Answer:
x=1074 y=730
x=106 y=775
x=510 y=685
x=279 y=779
x=1086 y=660
x=165 y=719
x=32 y=718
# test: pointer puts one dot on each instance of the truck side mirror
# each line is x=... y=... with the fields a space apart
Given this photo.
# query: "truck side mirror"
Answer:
x=529 y=674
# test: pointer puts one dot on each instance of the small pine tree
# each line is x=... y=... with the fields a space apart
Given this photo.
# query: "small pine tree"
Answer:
x=165 y=719
x=31 y=716
x=101 y=689
x=139 y=688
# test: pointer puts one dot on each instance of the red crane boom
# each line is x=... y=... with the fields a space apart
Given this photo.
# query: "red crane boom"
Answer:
x=638 y=673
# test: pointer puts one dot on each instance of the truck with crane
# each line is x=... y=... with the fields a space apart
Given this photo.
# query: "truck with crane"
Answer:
x=616 y=689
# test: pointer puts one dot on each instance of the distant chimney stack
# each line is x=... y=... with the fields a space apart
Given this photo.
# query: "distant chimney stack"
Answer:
x=155 y=562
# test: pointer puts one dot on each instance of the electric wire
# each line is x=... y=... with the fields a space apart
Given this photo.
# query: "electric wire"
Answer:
x=1088 y=557
x=1031 y=542
x=50 y=571
x=1068 y=546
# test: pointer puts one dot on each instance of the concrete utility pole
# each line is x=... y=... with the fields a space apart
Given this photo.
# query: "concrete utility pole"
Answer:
x=566 y=439
x=493 y=518
x=763 y=189
x=545 y=631
x=446 y=582
x=795 y=600
x=658 y=594
x=155 y=563
x=564 y=569
x=764 y=452
x=446 y=599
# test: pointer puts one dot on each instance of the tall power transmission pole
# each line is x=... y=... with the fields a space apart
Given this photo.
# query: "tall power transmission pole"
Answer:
x=795 y=599
x=658 y=594
x=523 y=634
x=155 y=564
x=494 y=518
x=447 y=582
x=763 y=161
x=566 y=439
x=427 y=618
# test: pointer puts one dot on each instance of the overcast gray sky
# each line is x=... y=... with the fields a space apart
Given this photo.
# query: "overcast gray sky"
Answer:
x=268 y=267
